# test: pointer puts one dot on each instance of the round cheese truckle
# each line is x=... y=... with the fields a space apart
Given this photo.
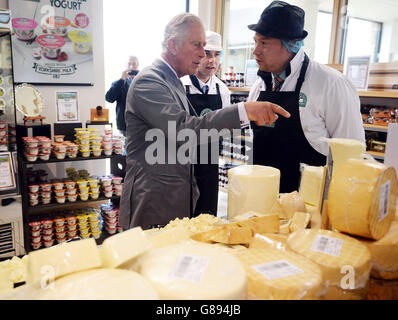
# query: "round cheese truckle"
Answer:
x=193 y=271
x=252 y=188
x=345 y=262
x=362 y=197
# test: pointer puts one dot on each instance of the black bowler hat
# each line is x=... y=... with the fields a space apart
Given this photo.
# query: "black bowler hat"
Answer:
x=282 y=21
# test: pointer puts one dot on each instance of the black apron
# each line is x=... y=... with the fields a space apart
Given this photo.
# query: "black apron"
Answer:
x=284 y=145
x=206 y=174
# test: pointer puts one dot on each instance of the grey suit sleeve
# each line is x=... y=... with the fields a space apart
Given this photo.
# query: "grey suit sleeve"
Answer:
x=155 y=103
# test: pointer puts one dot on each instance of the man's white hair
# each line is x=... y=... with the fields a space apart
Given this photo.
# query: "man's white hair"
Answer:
x=178 y=28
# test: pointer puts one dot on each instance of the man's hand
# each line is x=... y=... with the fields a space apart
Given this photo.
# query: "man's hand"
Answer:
x=263 y=112
x=125 y=74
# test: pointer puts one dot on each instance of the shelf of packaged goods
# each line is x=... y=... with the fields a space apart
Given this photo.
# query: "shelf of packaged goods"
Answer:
x=55 y=206
x=373 y=127
x=376 y=155
x=55 y=160
x=379 y=93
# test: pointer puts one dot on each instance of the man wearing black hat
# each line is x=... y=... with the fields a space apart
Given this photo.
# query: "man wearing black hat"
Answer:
x=322 y=102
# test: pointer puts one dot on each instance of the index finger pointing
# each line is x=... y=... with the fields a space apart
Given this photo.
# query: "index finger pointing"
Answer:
x=280 y=110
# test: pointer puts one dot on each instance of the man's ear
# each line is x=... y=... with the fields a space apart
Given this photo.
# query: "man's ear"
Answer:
x=172 y=46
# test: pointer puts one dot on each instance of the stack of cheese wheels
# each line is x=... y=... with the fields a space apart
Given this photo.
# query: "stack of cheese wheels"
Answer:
x=281 y=275
x=193 y=271
x=345 y=262
x=100 y=284
x=384 y=254
x=361 y=199
x=252 y=188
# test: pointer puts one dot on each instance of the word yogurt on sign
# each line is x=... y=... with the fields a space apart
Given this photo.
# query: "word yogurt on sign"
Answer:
x=73 y=5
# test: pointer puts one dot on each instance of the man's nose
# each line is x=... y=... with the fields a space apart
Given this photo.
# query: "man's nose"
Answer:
x=255 y=51
x=202 y=52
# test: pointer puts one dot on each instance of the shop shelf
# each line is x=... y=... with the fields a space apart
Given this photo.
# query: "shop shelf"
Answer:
x=55 y=160
x=373 y=127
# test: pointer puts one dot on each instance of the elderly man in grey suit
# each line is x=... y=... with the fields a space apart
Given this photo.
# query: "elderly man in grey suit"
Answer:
x=156 y=192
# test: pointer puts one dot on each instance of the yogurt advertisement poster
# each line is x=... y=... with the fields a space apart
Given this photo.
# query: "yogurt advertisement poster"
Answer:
x=52 y=41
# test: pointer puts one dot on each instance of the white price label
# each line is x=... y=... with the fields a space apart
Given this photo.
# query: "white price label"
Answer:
x=327 y=245
x=384 y=200
x=190 y=268
x=277 y=269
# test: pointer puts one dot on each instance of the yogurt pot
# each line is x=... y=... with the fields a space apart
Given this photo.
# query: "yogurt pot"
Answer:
x=93 y=183
x=45 y=194
x=71 y=220
x=97 y=152
x=71 y=192
x=59 y=147
x=58 y=185
x=34 y=202
x=118 y=193
x=108 y=194
x=60 y=235
x=107 y=138
x=106 y=182
x=83 y=196
x=72 y=155
x=46 y=200
x=44 y=156
x=82 y=218
x=45 y=187
x=84 y=134
x=84 y=190
x=94 y=189
x=86 y=154
x=35 y=225
x=60 y=155
x=107 y=145
x=33 y=196
x=94 y=195
x=47 y=237
x=35 y=233
x=34 y=188
x=119 y=229
x=61 y=240
x=45 y=144
x=60 y=199
x=108 y=152
x=31 y=142
x=117 y=180
x=72 y=198
x=36 y=239
x=59 y=138
x=81 y=41
x=49 y=243
x=51 y=45
x=118 y=187
x=110 y=230
x=108 y=188
x=49 y=231
x=59 y=193
x=59 y=229
x=58 y=25
x=72 y=227
x=112 y=221
x=84 y=141
x=84 y=147
x=72 y=234
x=47 y=224
x=93 y=217
x=95 y=140
x=24 y=28
x=59 y=221
x=118 y=150
x=96 y=235
x=36 y=246
x=112 y=213
x=46 y=150
x=108 y=131
x=70 y=185
x=32 y=151
x=84 y=231
x=85 y=236
x=30 y=157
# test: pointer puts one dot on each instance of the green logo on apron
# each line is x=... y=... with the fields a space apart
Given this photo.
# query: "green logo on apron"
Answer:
x=204 y=111
x=302 y=100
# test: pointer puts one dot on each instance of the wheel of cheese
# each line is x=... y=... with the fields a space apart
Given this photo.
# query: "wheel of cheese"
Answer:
x=361 y=198
x=193 y=271
x=99 y=284
x=384 y=254
x=344 y=149
x=252 y=188
x=280 y=275
x=334 y=253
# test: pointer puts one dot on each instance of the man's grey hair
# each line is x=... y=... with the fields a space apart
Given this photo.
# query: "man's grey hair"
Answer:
x=133 y=57
x=178 y=28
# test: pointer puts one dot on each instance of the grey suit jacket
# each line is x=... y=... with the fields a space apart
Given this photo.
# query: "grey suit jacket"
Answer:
x=158 y=193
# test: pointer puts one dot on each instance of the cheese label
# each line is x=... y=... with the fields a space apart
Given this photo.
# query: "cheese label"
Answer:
x=327 y=245
x=277 y=269
x=384 y=200
x=190 y=268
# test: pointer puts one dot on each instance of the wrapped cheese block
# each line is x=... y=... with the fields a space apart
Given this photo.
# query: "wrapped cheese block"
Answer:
x=345 y=262
x=384 y=254
x=193 y=271
x=122 y=247
x=281 y=275
x=51 y=263
x=300 y=220
x=361 y=198
x=99 y=284
x=252 y=188
x=311 y=185
x=344 y=149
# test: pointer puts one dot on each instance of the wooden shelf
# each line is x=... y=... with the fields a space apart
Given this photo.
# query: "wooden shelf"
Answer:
x=239 y=89
x=379 y=93
x=373 y=127
x=53 y=159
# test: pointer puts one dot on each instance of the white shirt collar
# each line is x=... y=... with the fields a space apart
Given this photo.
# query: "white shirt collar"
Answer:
x=296 y=62
x=161 y=58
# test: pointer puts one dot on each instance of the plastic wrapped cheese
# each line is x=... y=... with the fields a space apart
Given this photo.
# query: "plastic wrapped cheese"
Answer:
x=280 y=275
x=169 y=236
x=99 y=284
x=336 y=254
x=311 y=185
x=252 y=188
x=63 y=259
x=384 y=254
x=122 y=247
x=193 y=271
x=361 y=198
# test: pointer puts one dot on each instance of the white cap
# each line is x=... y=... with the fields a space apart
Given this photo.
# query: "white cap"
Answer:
x=213 y=41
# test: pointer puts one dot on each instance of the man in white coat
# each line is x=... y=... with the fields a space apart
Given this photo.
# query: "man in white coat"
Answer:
x=157 y=108
x=322 y=102
x=207 y=93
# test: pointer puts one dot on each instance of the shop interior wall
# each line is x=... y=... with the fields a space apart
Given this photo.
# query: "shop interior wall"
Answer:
x=89 y=96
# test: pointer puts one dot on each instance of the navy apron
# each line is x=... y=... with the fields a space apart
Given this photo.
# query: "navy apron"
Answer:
x=283 y=145
x=206 y=174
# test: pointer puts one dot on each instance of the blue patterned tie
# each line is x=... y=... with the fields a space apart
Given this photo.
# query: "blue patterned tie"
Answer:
x=205 y=89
